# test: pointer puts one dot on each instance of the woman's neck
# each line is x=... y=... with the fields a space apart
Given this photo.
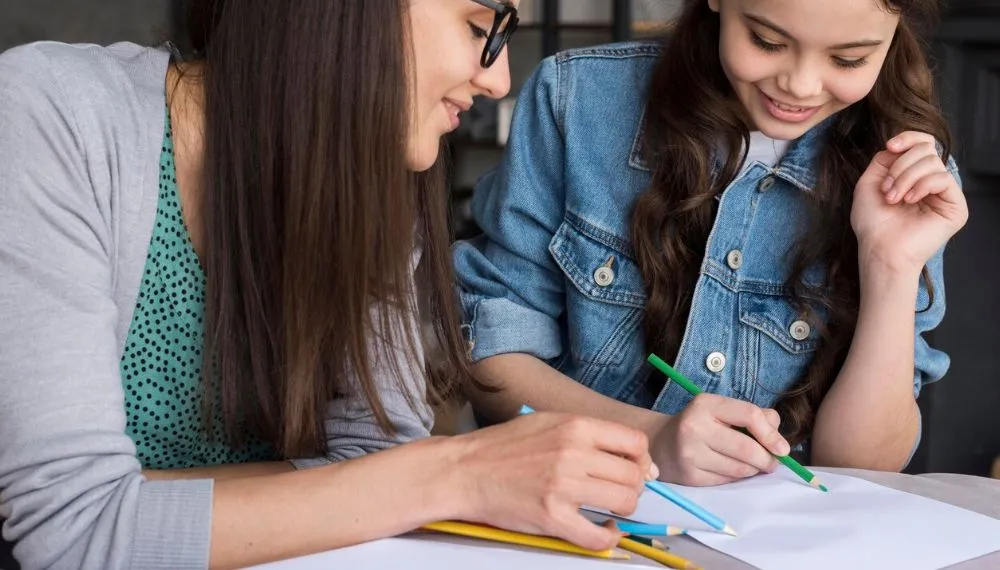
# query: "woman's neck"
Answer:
x=186 y=100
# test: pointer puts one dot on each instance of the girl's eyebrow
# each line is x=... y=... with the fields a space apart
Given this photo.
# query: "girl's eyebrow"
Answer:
x=778 y=30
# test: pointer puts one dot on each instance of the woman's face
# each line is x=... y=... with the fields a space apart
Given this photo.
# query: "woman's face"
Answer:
x=793 y=63
x=448 y=37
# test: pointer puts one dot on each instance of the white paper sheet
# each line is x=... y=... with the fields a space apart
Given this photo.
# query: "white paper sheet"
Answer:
x=784 y=523
x=444 y=552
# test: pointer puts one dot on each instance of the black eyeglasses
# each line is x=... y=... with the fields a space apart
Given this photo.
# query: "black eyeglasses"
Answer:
x=504 y=24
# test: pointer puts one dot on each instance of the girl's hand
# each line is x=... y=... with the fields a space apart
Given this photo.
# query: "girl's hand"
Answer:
x=700 y=446
x=906 y=204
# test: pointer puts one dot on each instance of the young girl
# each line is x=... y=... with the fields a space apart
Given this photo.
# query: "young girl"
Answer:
x=252 y=218
x=763 y=201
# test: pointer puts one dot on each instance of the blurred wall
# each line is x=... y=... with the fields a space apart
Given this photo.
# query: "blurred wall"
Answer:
x=96 y=21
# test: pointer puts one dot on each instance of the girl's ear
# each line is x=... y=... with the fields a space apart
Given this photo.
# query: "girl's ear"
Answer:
x=714 y=5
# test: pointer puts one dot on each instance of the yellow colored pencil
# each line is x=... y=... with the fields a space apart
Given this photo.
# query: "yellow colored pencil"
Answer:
x=665 y=558
x=511 y=537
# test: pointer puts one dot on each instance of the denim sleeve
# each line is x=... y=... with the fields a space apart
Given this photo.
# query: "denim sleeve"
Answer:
x=930 y=364
x=511 y=290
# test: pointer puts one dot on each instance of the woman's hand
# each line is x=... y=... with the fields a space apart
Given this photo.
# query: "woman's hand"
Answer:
x=906 y=204
x=700 y=446
x=533 y=474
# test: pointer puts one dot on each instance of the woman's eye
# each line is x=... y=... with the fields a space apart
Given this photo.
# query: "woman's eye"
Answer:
x=477 y=32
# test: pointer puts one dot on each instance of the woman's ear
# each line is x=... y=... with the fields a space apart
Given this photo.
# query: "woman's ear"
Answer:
x=714 y=5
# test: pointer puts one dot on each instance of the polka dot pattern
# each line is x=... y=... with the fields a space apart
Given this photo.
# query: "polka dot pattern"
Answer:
x=161 y=365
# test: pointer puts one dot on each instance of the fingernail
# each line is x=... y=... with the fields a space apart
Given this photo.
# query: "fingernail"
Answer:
x=887 y=183
x=654 y=472
x=784 y=449
x=892 y=196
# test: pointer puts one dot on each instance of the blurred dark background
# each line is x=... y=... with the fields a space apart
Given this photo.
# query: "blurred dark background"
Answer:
x=97 y=21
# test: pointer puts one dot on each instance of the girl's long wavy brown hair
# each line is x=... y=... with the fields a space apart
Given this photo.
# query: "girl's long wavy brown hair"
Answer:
x=311 y=215
x=672 y=219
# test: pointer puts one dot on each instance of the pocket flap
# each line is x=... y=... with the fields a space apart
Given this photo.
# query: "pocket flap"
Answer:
x=779 y=319
x=597 y=269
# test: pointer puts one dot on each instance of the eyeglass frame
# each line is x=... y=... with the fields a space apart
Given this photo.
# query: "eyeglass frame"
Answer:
x=502 y=9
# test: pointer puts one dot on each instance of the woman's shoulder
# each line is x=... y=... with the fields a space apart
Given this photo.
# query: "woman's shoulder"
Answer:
x=92 y=83
x=81 y=127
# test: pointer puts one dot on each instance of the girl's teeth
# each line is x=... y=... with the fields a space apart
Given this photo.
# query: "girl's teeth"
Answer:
x=787 y=108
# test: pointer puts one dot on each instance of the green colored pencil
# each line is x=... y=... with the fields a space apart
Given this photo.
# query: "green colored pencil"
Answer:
x=785 y=460
x=650 y=542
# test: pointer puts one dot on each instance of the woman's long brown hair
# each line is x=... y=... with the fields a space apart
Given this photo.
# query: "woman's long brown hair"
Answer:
x=690 y=104
x=311 y=216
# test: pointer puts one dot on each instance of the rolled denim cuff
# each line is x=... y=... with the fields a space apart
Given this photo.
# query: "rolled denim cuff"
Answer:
x=500 y=326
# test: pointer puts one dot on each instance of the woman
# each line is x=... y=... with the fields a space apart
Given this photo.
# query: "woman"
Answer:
x=259 y=209
x=765 y=207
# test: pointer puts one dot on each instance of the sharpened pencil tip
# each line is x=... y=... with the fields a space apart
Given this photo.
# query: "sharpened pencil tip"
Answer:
x=818 y=484
x=729 y=530
x=619 y=555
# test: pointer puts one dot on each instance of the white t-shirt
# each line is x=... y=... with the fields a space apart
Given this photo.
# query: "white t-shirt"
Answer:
x=764 y=149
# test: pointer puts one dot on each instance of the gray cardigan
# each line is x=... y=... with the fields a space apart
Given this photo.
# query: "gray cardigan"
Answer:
x=80 y=132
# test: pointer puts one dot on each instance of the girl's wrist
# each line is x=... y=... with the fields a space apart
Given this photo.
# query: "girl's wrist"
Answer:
x=879 y=266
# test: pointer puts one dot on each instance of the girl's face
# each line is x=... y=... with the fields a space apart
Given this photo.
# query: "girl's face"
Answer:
x=793 y=63
x=447 y=40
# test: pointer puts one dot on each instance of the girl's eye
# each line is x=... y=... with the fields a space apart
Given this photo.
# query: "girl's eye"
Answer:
x=849 y=63
x=764 y=44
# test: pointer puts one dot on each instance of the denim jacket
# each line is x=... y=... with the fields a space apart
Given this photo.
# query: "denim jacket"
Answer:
x=553 y=273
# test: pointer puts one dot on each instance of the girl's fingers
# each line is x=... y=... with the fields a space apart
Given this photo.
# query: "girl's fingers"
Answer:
x=750 y=456
x=925 y=166
x=908 y=139
x=904 y=162
x=934 y=183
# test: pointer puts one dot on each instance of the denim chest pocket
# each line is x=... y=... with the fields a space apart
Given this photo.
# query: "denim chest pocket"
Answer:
x=604 y=293
x=778 y=344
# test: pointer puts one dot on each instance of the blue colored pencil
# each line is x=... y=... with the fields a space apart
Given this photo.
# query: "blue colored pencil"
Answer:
x=677 y=499
x=690 y=506
x=643 y=529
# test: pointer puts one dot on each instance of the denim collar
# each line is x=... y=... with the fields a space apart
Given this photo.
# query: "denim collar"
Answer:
x=797 y=165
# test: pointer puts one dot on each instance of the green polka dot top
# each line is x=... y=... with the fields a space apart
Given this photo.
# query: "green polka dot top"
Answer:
x=162 y=361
